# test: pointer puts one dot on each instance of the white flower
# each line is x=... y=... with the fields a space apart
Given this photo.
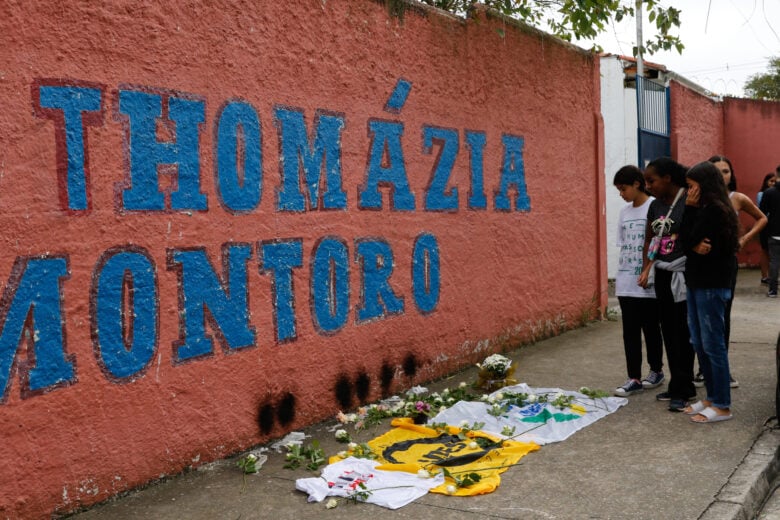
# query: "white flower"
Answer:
x=491 y=399
x=559 y=395
x=330 y=504
x=352 y=417
x=473 y=445
x=584 y=390
x=496 y=363
x=445 y=392
x=532 y=398
x=422 y=473
x=352 y=445
x=451 y=490
x=462 y=384
x=464 y=423
x=343 y=454
x=499 y=396
x=484 y=397
x=442 y=409
x=342 y=435
x=251 y=457
x=451 y=400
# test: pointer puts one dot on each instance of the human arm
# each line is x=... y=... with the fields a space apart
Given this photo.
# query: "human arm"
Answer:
x=693 y=235
x=747 y=205
x=646 y=262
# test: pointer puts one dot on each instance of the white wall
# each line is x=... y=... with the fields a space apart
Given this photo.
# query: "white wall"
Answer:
x=618 y=109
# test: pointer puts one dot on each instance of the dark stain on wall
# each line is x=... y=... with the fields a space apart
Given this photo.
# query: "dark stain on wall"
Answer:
x=410 y=365
x=386 y=378
x=343 y=391
x=286 y=411
x=362 y=387
x=266 y=418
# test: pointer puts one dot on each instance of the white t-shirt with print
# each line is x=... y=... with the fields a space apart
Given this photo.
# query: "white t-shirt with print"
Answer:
x=632 y=225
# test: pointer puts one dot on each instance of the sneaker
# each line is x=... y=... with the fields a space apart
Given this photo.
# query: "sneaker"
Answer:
x=663 y=396
x=631 y=386
x=698 y=381
x=771 y=294
x=765 y=281
x=733 y=383
x=653 y=379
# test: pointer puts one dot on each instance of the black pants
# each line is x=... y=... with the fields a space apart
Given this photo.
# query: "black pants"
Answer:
x=677 y=339
x=640 y=315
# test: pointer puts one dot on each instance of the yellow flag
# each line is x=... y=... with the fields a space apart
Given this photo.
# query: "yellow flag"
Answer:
x=410 y=447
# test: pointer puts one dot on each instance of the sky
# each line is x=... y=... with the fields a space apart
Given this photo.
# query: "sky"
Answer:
x=726 y=41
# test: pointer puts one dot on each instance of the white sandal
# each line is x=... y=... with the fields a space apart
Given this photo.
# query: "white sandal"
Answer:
x=695 y=408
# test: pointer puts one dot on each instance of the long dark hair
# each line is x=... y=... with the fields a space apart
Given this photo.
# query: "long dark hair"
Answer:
x=712 y=192
x=732 y=185
x=628 y=175
x=765 y=185
x=666 y=166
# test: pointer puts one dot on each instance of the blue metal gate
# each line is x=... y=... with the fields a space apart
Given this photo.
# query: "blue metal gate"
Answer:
x=653 y=128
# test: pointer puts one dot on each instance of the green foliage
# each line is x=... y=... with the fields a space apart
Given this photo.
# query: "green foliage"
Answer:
x=248 y=464
x=766 y=85
x=594 y=394
x=360 y=494
x=362 y=451
x=464 y=480
x=580 y=19
x=312 y=456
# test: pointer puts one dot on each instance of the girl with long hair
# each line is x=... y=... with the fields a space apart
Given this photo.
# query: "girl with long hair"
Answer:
x=740 y=203
x=710 y=239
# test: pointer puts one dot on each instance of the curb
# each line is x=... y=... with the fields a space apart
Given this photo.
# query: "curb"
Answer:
x=743 y=495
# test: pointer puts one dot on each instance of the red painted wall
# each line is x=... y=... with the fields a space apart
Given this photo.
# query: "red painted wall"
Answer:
x=751 y=130
x=101 y=394
x=743 y=130
x=697 y=125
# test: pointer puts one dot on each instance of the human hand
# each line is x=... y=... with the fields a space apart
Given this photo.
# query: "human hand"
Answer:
x=692 y=198
x=703 y=247
x=642 y=280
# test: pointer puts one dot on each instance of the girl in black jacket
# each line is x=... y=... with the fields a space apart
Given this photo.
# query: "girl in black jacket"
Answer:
x=709 y=237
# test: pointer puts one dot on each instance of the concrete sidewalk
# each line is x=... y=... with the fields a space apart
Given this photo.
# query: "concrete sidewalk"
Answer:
x=642 y=462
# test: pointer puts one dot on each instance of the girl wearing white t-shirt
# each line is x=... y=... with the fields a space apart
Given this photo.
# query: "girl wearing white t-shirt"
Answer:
x=637 y=305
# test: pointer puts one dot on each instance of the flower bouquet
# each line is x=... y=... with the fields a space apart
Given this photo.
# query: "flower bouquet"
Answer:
x=495 y=372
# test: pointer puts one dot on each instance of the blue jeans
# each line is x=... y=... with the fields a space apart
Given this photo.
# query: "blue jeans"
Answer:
x=706 y=322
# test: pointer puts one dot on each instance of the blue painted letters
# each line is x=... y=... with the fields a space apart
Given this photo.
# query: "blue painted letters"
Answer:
x=31 y=311
x=378 y=298
x=73 y=101
x=513 y=174
x=297 y=153
x=125 y=312
x=386 y=136
x=147 y=153
x=279 y=258
x=425 y=273
x=330 y=285
x=239 y=140
x=437 y=198
x=204 y=295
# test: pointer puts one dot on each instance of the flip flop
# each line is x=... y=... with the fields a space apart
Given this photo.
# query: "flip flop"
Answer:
x=695 y=408
x=712 y=416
